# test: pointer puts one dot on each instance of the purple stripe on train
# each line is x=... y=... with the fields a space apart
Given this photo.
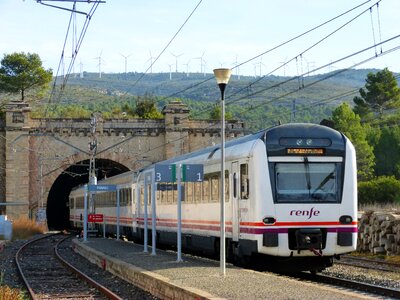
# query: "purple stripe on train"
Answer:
x=286 y=230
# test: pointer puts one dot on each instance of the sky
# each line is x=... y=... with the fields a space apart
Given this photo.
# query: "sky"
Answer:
x=239 y=34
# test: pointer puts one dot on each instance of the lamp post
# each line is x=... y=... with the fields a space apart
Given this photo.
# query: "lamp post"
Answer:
x=222 y=76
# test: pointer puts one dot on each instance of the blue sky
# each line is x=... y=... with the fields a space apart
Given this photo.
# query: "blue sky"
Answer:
x=227 y=32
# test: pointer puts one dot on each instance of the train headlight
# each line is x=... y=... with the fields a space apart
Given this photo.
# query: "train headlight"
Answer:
x=345 y=219
x=269 y=220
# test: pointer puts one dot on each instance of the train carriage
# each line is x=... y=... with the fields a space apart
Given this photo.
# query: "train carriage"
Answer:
x=290 y=198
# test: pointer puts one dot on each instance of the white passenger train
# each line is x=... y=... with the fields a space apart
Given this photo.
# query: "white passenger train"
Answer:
x=290 y=199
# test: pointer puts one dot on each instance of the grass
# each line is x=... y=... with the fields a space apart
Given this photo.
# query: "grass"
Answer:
x=7 y=293
x=394 y=208
x=23 y=228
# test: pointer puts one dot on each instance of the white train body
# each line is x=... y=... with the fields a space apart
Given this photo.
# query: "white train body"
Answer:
x=290 y=193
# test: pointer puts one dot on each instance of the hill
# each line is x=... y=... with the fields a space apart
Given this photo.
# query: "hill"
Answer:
x=259 y=101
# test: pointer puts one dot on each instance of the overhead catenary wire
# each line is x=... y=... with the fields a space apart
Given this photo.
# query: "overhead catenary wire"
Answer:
x=77 y=46
x=295 y=58
x=306 y=85
x=228 y=103
x=165 y=47
x=283 y=43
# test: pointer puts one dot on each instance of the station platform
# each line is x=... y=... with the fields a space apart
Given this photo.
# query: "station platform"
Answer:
x=197 y=278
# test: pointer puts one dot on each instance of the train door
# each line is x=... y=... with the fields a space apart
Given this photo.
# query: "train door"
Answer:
x=133 y=205
x=235 y=200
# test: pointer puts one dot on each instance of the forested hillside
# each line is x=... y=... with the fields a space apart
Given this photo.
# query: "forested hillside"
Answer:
x=259 y=101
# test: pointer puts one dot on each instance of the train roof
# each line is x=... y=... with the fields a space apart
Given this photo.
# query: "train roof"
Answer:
x=271 y=135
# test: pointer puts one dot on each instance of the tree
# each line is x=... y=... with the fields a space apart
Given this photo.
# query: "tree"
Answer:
x=347 y=122
x=381 y=92
x=387 y=152
x=215 y=113
x=20 y=72
x=146 y=108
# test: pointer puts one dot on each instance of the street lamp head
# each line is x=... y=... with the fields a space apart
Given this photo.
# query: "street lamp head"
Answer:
x=222 y=75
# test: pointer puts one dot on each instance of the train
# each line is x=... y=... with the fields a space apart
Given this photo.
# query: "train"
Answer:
x=290 y=200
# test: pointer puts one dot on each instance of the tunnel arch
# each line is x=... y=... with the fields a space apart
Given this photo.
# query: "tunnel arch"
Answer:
x=57 y=202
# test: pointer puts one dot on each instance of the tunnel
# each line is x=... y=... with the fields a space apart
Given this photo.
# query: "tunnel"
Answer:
x=57 y=210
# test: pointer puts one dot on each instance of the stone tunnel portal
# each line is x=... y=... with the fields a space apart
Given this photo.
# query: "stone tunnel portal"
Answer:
x=57 y=202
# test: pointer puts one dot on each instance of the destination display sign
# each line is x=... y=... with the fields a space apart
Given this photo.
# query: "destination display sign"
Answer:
x=305 y=151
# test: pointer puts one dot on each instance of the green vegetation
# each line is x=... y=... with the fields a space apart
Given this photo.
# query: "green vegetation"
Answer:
x=381 y=92
x=370 y=119
x=382 y=190
x=20 y=72
x=372 y=127
x=349 y=123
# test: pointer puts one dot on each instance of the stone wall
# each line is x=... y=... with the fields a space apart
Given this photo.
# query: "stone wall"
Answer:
x=36 y=151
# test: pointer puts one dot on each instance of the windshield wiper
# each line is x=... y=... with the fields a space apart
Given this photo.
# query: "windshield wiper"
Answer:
x=307 y=167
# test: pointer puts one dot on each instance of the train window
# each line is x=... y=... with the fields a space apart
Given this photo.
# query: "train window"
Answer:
x=113 y=198
x=170 y=193
x=226 y=186
x=197 y=191
x=244 y=181
x=162 y=187
x=215 y=187
x=306 y=182
x=234 y=185
x=206 y=188
x=71 y=203
x=149 y=194
x=121 y=197
x=189 y=192
x=79 y=202
x=141 y=196
x=128 y=196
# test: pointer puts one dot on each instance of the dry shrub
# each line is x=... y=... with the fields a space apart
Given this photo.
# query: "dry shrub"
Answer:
x=24 y=228
x=7 y=293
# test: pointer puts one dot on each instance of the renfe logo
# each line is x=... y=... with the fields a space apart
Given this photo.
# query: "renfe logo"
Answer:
x=308 y=213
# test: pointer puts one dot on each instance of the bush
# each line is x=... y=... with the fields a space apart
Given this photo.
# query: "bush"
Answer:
x=7 y=293
x=24 y=228
x=380 y=190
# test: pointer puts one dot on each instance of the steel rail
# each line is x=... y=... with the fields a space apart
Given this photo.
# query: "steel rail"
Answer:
x=106 y=292
x=365 y=287
x=99 y=287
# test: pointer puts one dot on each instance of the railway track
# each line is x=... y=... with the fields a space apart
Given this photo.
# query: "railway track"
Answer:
x=48 y=276
x=350 y=284
x=367 y=263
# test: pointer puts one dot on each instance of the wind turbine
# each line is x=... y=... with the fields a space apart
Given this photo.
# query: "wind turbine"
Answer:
x=126 y=60
x=170 y=74
x=259 y=64
x=187 y=68
x=99 y=65
x=284 y=63
x=176 y=60
x=236 y=66
x=81 y=69
x=151 y=62
x=201 y=61
x=204 y=67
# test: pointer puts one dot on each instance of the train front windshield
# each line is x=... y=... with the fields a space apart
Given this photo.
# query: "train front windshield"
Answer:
x=307 y=182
